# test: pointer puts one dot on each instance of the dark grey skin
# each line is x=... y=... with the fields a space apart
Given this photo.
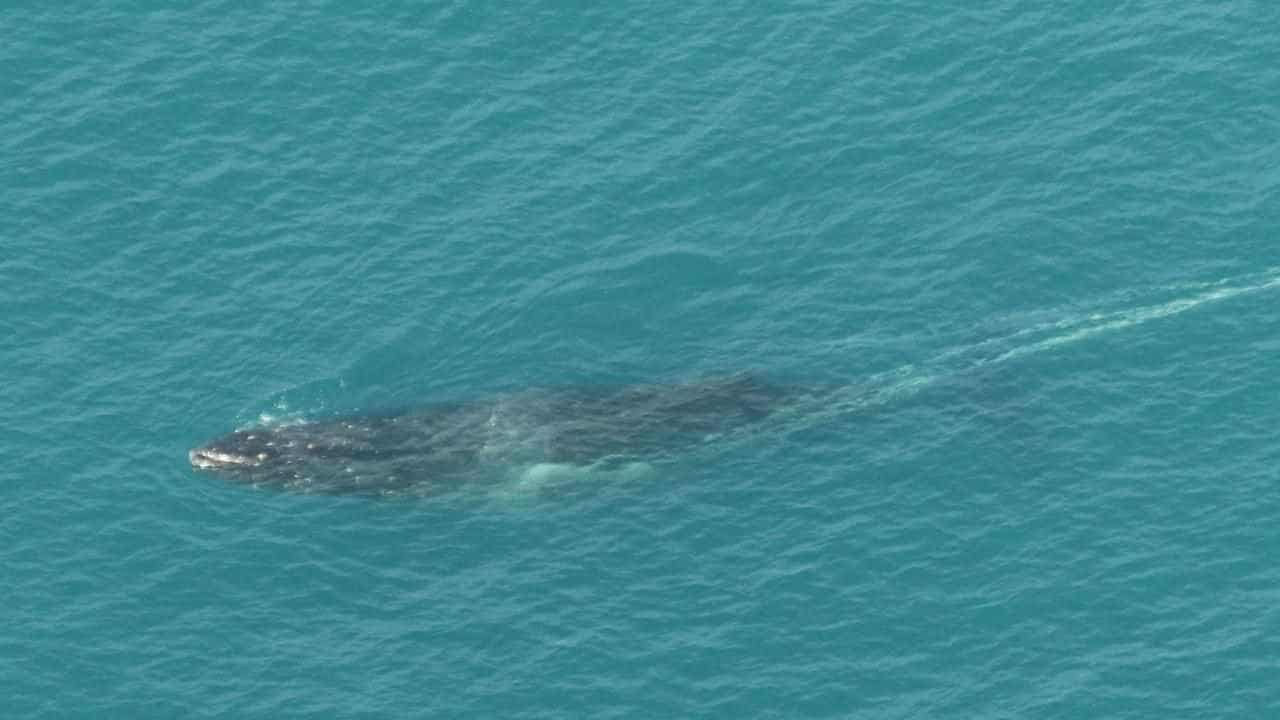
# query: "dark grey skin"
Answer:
x=440 y=447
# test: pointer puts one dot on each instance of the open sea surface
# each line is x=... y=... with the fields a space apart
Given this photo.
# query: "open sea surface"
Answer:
x=1033 y=247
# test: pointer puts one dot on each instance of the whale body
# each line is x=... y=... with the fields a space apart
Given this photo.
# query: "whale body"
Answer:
x=447 y=445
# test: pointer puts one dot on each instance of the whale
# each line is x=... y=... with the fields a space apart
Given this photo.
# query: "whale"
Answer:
x=448 y=445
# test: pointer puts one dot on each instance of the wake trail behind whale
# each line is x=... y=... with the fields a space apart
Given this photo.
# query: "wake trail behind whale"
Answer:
x=908 y=380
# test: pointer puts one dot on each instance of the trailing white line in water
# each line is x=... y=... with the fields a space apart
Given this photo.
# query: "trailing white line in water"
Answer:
x=910 y=379
x=1137 y=316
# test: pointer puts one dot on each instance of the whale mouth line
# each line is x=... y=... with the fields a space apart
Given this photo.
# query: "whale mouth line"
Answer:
x=207 y=459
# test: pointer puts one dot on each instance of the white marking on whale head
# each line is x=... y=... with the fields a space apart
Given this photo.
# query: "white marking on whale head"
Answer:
x=239 y=450
x=207 y=458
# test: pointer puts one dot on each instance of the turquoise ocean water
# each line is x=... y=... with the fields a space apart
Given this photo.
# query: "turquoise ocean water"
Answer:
x=1033 y=246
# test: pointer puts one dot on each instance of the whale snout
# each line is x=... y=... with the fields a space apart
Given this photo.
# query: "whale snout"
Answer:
x=211 y=459
x=242 y=451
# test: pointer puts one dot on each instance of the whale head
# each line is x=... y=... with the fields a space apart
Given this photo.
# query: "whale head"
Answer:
x=341 y=455
x=240 y=451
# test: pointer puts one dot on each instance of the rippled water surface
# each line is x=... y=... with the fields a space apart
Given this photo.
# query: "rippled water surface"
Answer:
x=1028 y=251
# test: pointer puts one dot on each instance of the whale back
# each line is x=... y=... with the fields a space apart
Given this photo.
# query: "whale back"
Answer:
x=442 y=446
